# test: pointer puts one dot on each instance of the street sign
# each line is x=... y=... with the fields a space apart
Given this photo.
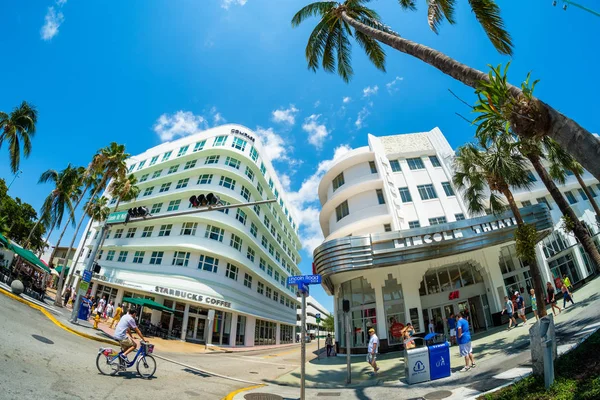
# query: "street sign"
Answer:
x=83 y=288
x=117 y=217
x=87 y=276
x=303 y=288
x=306 y=279
x=318 y=318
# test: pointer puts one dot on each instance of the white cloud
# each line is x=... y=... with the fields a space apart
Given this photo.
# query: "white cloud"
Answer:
x=61 y=2
x=274 y=146
x=53 y=21
x=370 y=91
x=391 y=86
x=227 y=3
x=317 y=103
x=217 y=117
x=360 y=118
x=285 y=115
x=285 y=180
x=179 y=124
x=317 y=133
x=346 y=100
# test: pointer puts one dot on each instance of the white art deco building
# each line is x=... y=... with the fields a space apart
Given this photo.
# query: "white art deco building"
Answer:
x=313 y=307
x=401 y=246
x=223 y=273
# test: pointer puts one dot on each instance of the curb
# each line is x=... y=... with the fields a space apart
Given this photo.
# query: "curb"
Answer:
x=54 y=320
x=231 y=395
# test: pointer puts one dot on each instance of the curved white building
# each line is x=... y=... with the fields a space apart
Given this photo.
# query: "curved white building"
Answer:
x=401 y=247
x=222 y=272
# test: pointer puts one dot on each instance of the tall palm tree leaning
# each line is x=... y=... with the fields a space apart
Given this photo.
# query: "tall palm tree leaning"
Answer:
x=329 y=44
x=499 y=168
x=110 y=163
x=17 y=129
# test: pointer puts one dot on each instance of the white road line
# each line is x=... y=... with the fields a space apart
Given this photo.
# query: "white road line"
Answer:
x=261 y=362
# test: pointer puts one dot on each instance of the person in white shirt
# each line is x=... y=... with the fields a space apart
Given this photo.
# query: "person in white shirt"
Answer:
x=431 y=327
x=373 y=349
x=124 y=327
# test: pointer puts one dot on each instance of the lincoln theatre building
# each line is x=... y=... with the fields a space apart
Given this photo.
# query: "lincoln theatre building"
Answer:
x=401 y=247
x=222 y=275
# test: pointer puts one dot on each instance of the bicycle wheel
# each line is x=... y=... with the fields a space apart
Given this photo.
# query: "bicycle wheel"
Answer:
x=106 y=366
x=146 y=366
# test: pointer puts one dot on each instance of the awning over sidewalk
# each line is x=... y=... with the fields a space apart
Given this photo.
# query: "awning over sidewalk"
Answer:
x=3 y=241
x=146 y=303
x=60 y=267
x=28 y=256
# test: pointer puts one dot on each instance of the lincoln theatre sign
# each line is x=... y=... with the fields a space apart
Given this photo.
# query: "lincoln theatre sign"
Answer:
x=192 y=296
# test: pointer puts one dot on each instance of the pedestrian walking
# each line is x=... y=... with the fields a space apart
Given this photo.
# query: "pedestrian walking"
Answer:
x=430 y=326
x=110 y=308
x=509 y=310
x=534 y=304
x=67 y=296
x=329 y=344
x=373 y=349
x=452 y=328
x=550 y=298
x=101 y=306
x=117 y=317
x=521 y=307
x=566 y=296
x=567 y=283
x=464 y=342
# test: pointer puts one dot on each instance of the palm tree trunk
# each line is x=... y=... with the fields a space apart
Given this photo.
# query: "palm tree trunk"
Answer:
x=79 y=254
x=47 y=239
x=589 y=195
x=25 y=245
x=62 y=272
x=576 y=140
x=534 y=267
x=579 y=230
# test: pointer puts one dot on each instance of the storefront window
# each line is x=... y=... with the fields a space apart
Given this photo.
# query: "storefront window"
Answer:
x=286 y=334
x=362 y=306
x=221 y=328
x=447 y=279
x=264 y=333
x=565 y=266
x=110 y=293
x=240 y=335
x=394 y=309
x=554 y=244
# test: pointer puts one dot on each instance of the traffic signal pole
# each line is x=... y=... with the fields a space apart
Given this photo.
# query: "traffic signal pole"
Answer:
x=92 y=257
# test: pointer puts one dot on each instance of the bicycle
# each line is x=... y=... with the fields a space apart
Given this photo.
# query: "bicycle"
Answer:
x=109 y=362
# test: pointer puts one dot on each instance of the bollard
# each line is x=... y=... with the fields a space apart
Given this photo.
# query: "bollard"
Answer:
x=548 y=352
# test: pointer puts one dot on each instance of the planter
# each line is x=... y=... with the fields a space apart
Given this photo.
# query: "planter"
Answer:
x=17 y=287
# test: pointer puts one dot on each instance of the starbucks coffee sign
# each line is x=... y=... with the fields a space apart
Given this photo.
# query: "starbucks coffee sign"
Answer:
x=192 y=296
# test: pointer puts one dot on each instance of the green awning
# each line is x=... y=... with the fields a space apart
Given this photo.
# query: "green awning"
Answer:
x=28 y=256
x=60 y=267
x=3 y=240
x=146 y=303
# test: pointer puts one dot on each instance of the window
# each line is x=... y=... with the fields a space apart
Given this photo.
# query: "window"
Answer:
x=130 y=233
x=380 y=197
x=148 y=191
x=147 y=232
x=232 y=162
x=569 y=195
x=182 y=150
x=253 y=229
x=245 y=193
x=582 y=194
x=250 y=254
x=545 y=201
x=263 y=169
x=249 y=173
x=531 y=176
x=199 y=145
x=387 y=227
x=275 y=295
x=342 y=210
x=156 y=208
x=165 y=230
x=260 y=288
x=435 y=161
x=214 y=233
x=167 y=155
x=174 y=205
x=271 y=184
x=138 y=257
x=207 y=263
x=227 y=182
x=190 y=164
x=414 y=224
x=395 y=164
x=153 y=161
x=271 y=249
x=239 y=144
x=156 y=257
x=220 y=141
x=118 y=234
x=188 y=228
x=156 y=174
x=270 y=270
x=448 y=188
x=459 y=216
x=253 y=154
x=405 y=195
x=164 y=187
x=173 y=169
x=248 y=281
x=264 y=242
x=205 y=179
x=113 y=200
x=525 y=203
x=110 y=255
x=427 y=192
x=277 y=275
x=236 y=242
x=267 y=222
x=232 y=271
x=592 y=192
x=415 y=163
x=338 y=181
x=268 y=294
x=212 y=160
x=437 y=220
x=122 y=256
x=259 y=188
x=373 y=167
x=131 y=168
x=262 y=264
x=240 y=216
x=144 y=178
x=182 y=183
x=181 y=258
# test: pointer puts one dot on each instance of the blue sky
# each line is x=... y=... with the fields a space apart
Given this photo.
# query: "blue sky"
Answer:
x=107 y=71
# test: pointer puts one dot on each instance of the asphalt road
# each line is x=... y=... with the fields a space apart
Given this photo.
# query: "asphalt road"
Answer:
x=39 y=360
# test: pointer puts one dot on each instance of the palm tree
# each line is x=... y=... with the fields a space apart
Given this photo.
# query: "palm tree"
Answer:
x=329 y=44
x=4 y=227
x=17 y=129
x=124 y=189
x=499 y=168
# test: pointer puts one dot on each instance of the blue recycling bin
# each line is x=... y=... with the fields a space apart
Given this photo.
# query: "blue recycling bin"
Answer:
x=439 y=360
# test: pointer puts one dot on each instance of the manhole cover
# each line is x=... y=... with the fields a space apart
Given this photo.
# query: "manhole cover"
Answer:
x=262 y=396
x=42 y=339
x=440 y=394
x=329 y=394
x=253 y=372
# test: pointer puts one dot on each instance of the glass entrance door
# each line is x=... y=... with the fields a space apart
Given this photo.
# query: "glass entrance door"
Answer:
x=191 y=327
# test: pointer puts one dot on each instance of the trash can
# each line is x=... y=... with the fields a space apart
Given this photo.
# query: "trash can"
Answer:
x=416 y=363
x=439 y=360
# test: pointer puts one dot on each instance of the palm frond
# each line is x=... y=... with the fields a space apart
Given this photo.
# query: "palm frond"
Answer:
x=320 y=8
x=373 y=49
x=408 y=5
x=437 y=11
x=344 y=58
x=487 y=13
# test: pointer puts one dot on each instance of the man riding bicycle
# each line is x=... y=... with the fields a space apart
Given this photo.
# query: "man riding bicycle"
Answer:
x=124 y=327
